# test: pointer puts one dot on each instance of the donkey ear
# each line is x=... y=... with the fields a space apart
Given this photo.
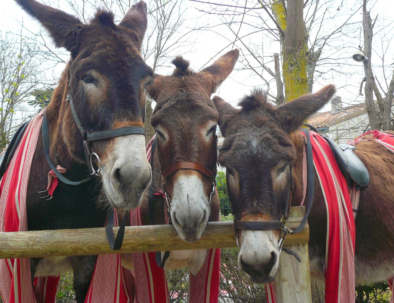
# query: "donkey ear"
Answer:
x=153 y=89
x=63 y=27
x=220 y=69
x=226 y=113
x=291 y=115
x=136 y=20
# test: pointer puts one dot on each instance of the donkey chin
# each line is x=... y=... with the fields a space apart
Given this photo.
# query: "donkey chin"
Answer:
x=189 y=207
x=127 y=174
x=259 y=255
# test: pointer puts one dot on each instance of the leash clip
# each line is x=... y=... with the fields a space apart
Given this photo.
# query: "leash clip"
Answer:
x=95 y=172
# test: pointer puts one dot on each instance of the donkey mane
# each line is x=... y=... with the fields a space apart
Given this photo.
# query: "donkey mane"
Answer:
x=182 y=67
x=256 y=99
x=104 y=17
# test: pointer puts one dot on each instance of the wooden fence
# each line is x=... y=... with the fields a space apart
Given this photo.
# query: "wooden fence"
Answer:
x=292 y=283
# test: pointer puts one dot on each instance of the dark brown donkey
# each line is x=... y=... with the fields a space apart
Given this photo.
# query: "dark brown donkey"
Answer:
x=260 y=146
x=104 y=81
x=185 y=121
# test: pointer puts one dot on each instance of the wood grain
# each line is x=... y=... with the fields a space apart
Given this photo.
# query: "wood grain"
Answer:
x=77 y=242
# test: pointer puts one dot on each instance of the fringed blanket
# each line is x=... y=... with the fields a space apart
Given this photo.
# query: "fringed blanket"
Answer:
x=340 y=248
x=107 y=284
x=150 y=279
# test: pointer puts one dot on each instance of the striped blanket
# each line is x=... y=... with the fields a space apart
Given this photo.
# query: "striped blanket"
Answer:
x=150 y=279
x=107 y=284
x=340 y=248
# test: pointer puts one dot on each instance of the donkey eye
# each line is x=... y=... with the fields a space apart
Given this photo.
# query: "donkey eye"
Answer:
x=150 y=82
x=212 y=130
x=87 y=79
x=282 y=169
x=160 y=134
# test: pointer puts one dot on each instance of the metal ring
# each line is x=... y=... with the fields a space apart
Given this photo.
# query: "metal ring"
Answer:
x=236 y=239
x=167 y=198
x=212 y=192
x=280 y=244
x=94 y=171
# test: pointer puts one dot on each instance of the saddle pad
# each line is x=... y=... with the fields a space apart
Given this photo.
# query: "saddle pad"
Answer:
x=340 y=248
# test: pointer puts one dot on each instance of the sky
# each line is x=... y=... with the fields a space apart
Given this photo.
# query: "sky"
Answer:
x=205 y=45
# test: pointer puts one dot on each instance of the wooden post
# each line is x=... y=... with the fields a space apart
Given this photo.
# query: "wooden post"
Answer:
x=77 y=242
x=293 y=282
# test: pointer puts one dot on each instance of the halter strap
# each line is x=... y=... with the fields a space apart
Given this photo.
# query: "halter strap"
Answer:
x=106 y=134
x=45 y=143
x=187 y=166
x=258 y=225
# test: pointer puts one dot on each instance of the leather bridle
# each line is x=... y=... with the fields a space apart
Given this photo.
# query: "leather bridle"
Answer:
x=90 y=156
x=176 y=166
x=281 y=224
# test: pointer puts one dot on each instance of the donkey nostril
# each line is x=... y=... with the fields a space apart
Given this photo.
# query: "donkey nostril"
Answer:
x=117 y=175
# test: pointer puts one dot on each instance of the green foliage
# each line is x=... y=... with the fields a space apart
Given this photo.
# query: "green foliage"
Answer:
x=378 y=292
x=65 y=292
x=178 y=284
x=234 y=284
x=221 y=185
x=41 y=97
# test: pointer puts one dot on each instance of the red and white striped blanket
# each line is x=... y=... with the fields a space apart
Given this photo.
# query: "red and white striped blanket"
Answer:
x=340 y=280
x=151 y=283
x=107 y=284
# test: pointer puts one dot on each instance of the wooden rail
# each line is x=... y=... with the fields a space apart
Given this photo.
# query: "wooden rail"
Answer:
x=92 y=241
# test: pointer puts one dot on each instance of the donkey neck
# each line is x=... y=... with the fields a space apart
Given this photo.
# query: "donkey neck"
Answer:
x=66 y=146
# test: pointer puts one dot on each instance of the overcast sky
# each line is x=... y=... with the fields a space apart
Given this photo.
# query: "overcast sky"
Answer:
x=205 y=45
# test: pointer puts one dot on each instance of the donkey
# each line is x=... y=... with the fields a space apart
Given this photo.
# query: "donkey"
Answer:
x=185 y=158
x=104 y=81
x=185 y=121
x=260 y=145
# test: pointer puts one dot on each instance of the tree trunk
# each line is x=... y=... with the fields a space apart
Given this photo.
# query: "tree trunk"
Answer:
x=386 y=117
x=295 y=51
x=279 y=84
x=313 y=57
x=369 y=83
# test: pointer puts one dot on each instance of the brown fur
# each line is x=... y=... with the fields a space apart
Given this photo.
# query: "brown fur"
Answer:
x=273 y=130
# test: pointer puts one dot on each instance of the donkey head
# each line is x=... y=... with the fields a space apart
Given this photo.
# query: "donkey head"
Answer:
x=105 y=79
x=258 y=153
x=185 y=120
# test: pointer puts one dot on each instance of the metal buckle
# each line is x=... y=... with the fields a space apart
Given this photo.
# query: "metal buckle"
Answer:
x=212 y=192
x=236 y=239
x=168 y=200
x=94 y=171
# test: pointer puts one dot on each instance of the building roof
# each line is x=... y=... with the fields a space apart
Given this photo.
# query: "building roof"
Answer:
x=328 y=119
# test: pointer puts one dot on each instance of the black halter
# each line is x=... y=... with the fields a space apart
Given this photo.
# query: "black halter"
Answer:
x=281 y=224
x=90 y=155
